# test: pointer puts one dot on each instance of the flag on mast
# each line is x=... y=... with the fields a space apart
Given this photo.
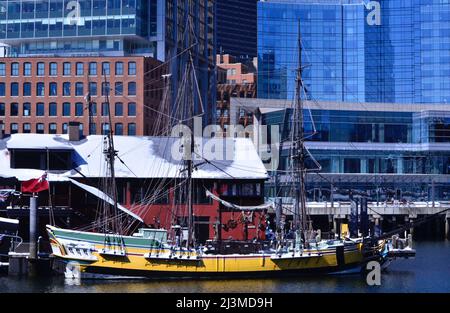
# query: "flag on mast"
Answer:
x=35 y=185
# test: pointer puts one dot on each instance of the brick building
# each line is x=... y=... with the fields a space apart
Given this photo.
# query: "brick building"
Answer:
x=239 y=82
x=44 y=94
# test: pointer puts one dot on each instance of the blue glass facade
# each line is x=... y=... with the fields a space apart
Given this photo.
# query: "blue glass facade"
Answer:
x=120 y=26
x=405 y=59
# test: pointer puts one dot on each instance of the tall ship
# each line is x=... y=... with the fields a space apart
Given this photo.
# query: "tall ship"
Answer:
x=110 y=249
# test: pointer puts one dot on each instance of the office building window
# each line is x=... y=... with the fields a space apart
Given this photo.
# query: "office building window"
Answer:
x=26 y=109
x=53 y=69
x=105 y=128
x=93 y=68
x=15 y=69
x=66 y=68
x=131 y=68
x=2 y=69
x=41 y=69
x=2 y=109
x=40 y=89
x=26 y=89
x=79 y=89
x=118 y=131
x=14 y=128
x=39 y=128
x=26 y=69
x=66 y=89
x=53 y=89
x=93 y=89
x=105 y=68
x=14 y=89
x=80 y=69
x=52 y=109
x=131 y=129
x=79 y=109
x=52 y=128
x=26 y=128
x=64 y=128
x=131 y=109
x=131 y=88
x=40 y=109
x=119 y=68
x=66 y=109
x=105 y=89
x=119 y=89
x=2 y=89
x=118 y=109
x=14 y=110
x=105 y=109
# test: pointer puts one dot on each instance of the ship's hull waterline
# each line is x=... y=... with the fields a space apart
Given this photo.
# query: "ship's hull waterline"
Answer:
x=85 y=256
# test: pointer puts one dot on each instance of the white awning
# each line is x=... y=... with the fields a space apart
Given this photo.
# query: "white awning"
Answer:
x=264 y=206
x=103 y=196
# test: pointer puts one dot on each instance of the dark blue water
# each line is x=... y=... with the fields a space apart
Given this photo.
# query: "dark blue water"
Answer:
x=428 y=272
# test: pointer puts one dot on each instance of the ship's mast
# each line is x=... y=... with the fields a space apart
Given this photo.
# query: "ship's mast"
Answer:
x=111 y=153
x=299 y=148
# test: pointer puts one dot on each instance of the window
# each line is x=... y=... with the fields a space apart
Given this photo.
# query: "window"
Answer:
x=119 y=89
x=80 y=69
x=41 y=69
x=14 y=128
x=79 y=89
x=131 y=109
x=93 y=109
x=26 y=109
x=66 y=69
x=2 y=89
x=131 y=68
x=15 y=69
x=53 y=69
x=52 y=128
x=93 y=68
x=2 y=69
x=14 y=110
x=131 y=129
x=92 y=129
x=118 y=109
x=64 y=128
x=52 y=109
x=39 y=128
x=105 y=108
x=26 y=128
x=132 y=89
x=14 y=89
x=26 y=69
x=2 y=109
x=27 y=89
x=53 y=89
x=66 y=109
x=79 y=109
x=93 y=89
x=118 y=131
x=66 y=89
x=40 y=89
x=119 y=68
x=105 y=128
x=105 y=89
x=105 y=68
x=40 y=110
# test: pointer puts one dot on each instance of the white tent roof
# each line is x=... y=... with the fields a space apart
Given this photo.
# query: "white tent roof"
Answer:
x=143 y=157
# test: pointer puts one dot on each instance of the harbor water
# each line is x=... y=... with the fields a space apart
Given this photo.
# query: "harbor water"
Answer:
x=428 y=272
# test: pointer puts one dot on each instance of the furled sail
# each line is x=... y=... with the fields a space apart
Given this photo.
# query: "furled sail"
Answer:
x=238 y=207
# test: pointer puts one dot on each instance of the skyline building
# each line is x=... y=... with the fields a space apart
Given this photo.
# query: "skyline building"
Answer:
x=350 y=57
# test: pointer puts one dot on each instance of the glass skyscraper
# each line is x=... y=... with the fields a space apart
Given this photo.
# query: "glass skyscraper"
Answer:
x=404 y=59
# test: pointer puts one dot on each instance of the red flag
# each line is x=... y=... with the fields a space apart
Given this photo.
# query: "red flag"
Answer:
x=36 y=185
